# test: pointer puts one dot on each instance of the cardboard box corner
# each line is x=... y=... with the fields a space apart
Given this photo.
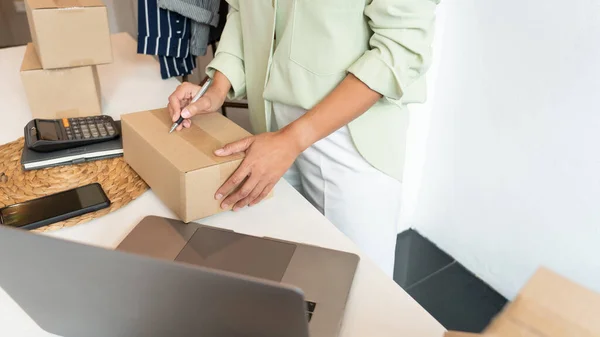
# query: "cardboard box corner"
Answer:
x=548 y=305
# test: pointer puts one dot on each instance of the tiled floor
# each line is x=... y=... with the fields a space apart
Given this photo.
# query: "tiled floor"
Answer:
x=446 y=289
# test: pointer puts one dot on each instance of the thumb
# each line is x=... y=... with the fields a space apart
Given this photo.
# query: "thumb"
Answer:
x=200 y=106
x=235 y=147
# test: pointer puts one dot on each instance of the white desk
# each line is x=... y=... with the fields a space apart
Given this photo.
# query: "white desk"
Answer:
x=377 y=305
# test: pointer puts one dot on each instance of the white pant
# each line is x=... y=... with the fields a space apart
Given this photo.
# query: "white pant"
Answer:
x=360 y=200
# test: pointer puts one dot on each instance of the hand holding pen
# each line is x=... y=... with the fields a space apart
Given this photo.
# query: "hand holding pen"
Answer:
x=182 y=106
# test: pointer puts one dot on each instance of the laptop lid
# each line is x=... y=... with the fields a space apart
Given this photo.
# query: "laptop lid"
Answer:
x=210 y=247
x=76 y=290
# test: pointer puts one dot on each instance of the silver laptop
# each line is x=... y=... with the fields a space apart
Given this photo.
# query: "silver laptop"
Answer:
x=76 y=290
x=324 y=276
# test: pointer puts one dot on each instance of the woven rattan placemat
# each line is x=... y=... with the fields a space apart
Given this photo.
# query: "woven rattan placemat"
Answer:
x=120 y=183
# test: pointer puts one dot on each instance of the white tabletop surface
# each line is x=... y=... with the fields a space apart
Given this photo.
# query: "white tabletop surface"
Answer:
x=377 y=305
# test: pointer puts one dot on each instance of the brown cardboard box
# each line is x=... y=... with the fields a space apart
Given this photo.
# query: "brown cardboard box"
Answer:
x=549 y=305
x=69 y=33
x=180 y=167
x=59 y=93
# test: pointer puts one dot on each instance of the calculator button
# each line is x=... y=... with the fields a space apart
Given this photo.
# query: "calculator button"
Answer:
x=111 y=132
x=65 y=122
x=77 y=136
x=70 y=137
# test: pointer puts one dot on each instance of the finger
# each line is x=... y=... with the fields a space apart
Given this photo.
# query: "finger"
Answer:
x=179 y=96
x=179 y=127
x=235 y=147
x=252 y=196
x=236 y=178
x=200 y=106
x=187 y=123
x=174 y=106
x=244 y=191
x=265 y=192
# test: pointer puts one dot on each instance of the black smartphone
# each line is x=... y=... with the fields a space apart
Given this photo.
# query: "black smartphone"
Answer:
x=53 y=208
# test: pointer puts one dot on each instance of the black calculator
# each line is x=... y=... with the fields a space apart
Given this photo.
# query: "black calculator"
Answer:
x=46 y=135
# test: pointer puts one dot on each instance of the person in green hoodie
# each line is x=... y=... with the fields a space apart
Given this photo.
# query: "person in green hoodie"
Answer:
x=327 y=84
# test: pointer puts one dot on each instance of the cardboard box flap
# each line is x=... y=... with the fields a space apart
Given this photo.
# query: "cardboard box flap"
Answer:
x=551 y=306
x=31 y=60
x=192 y=148
x=48 y=4
x=508 y=328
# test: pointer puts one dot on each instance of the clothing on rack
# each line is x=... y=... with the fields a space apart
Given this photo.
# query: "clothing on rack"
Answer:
x=204 y=15
x=165 y=34
x=215 y=32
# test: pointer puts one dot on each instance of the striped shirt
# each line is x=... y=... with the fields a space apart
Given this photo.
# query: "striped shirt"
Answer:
x=167 y=35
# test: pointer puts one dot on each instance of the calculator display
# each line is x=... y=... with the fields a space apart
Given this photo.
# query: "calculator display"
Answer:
x=47 y=130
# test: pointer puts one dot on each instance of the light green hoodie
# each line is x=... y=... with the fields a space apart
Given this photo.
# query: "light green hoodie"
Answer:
x=384 y=43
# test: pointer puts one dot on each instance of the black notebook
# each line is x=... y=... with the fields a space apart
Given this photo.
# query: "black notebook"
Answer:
x=31 y=160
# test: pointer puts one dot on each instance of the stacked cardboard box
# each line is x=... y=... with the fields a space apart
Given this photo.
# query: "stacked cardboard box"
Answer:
x=70 y=37
x=548 y=306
